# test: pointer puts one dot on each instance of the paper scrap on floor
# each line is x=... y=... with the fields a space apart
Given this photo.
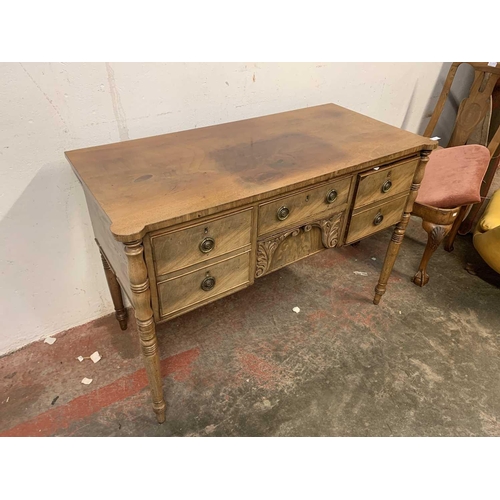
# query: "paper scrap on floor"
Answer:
x=95 y=357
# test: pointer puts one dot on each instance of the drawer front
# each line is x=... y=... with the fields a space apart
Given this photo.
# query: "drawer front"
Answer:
x=200 y=286
x=191 y=245
x=378 y=185
x=370 y=221
x=293 y=209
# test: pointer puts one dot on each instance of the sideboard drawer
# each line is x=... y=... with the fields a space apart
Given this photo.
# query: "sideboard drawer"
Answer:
x=374 y=219
x=203 y=284
x=377 y=185
x=295 y=208
x=190 y=245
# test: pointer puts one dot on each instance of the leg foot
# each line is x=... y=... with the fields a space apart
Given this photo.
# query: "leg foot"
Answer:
x=116 y=292
x=122 y=317
x=421 y=278
x=436 y=234
x=151 y=358
x=160 y=413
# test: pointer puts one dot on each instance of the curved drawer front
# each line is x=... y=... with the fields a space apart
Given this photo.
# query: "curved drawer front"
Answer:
x=292 y=209
x=378 y=185
x=374 y=219
x=184 y=247
x=203 y=285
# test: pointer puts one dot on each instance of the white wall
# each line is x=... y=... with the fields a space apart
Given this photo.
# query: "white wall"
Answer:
x=50 y=270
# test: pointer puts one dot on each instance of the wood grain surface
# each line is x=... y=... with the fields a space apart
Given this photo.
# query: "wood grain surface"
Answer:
x=181 y=248
x=185 y=290
x=371 y=184
x=362 y=224
x=303 y=206
x=146 y=184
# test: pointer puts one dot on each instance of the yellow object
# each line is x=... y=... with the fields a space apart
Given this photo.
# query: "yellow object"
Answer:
x=487 y=234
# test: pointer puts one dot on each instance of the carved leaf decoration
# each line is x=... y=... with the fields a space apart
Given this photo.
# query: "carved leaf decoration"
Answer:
x=329 y=228
x=266 y=249
x=436 y=236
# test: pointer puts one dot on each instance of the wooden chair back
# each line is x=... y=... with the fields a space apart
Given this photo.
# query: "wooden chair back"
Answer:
x=472 y=109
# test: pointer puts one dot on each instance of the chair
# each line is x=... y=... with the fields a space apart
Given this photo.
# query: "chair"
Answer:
x=486 y=238
x=453 y=175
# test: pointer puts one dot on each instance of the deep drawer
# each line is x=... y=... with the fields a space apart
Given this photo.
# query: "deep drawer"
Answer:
x=378 y=185
x=203 y=284
x=375 y=219
x=190 y=245
x=292 y=209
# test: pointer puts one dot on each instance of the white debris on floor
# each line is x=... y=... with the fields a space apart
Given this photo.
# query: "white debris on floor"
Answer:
x=86 y=381
x=296 y=309
x=361 y=273
x=95 y=357
x=49 y=340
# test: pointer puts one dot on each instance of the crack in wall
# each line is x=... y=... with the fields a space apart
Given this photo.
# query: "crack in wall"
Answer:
x=118 y=111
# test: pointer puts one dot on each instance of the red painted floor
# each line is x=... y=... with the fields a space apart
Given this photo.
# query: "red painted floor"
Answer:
x=424 y=362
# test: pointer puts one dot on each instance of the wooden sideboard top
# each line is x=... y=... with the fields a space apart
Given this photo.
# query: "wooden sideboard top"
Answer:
x=184 y=175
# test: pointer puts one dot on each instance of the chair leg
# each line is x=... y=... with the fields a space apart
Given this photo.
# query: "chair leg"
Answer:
x=437 y=233
x=448 y=244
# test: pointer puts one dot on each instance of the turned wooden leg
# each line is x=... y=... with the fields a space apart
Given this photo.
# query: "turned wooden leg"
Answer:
x=399 y=231
x=448 y=244
x=116 y=292
x=390 y=257
x=436 y=234
x=141 y=298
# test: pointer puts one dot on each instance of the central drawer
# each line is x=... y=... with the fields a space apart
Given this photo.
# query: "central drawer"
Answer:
x=203 y=284
x=307 y=204
x=200 y=242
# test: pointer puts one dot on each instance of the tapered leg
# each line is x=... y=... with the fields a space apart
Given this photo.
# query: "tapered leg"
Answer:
x=399 y=231
x=436 y=234
x=116 y=293
x=448 y=244
x=390 y=257
x=141 y=298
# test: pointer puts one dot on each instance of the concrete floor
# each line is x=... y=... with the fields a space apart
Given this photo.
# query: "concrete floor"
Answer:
x=426 y=362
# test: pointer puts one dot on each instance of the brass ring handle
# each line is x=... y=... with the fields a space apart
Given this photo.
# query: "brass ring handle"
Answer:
x=378 y=219
x=386 y=186
x=331 y=196
x=208 y=283
x=282 y=213
x=207 y=245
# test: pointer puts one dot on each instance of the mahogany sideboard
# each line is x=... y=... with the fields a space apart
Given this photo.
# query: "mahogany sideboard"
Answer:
x=187 y=218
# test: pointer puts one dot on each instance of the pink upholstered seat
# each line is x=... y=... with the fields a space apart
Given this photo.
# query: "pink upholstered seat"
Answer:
x=453 y=176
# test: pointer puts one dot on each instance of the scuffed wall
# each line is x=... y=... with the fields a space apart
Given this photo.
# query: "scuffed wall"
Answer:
x=50 y=271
